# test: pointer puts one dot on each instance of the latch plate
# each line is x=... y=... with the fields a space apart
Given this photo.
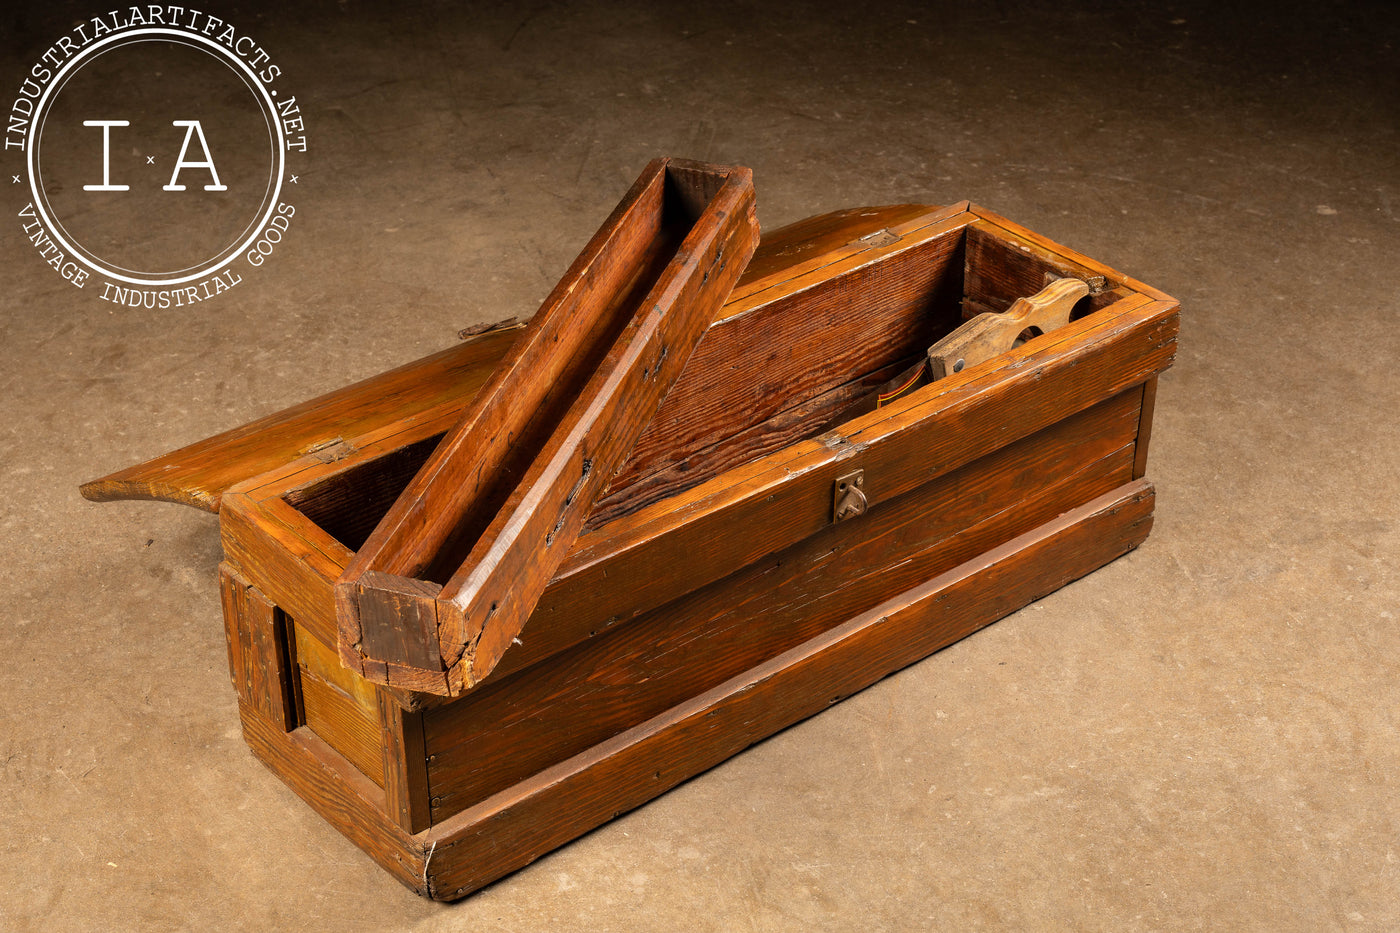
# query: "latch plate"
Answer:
x=848 y=496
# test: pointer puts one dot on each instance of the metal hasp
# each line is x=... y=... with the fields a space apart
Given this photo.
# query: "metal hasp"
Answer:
x=848 y=496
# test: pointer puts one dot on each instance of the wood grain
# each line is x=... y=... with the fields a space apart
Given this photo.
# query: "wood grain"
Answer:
x=338 y=705
x=1004 y=266
x=405 y=765
x=199 y=474
x=514 y=481
x=1065 y=260
x=496 y=590
x=509 y=730
x=820 y=240
x=257 y=659
x=786 y=344
x=513 y=828
x=805 y=419
x=628 y=540
x=295 y=563
x=333 y=716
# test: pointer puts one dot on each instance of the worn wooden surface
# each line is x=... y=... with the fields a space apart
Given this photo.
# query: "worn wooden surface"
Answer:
x=338 y=705
x=719 y=247
x=334 y=717
x=340 y=793
x=793 y=424
x=294 y=523
x=405 y=765
x=474 y=469
x=788 y=339
x=396 y=619
x=256 y=633
x=513 y=828
x=521 y=724
x=295 y=562
x=199 y=474
x=503 y=496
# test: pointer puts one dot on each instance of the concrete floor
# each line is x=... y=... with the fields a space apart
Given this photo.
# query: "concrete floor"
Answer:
x=1203 y=735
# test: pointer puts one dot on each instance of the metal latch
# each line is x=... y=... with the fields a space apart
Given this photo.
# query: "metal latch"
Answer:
x=848 y=496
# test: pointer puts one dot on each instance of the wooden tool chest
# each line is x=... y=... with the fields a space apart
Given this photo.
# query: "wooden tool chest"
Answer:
x=765 y=549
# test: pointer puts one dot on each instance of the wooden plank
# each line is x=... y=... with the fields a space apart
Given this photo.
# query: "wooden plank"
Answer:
x=1002 y=268
x=388 y=414
x=532 y=389
x=514 y=727
x=257 y=658
x=563 y=409
x=800 y=421
x=231 y=601
x=336 y=718
x=323 y=661
x=516 y=826
x=404 y=765
x=339 y=706
x=526 y=545
x=298 y=557
x=294 y=562
x=398 y=618
x=641 y=553
x=813 y=243
x=199 y=474
x=788 y=305
x=348 y=504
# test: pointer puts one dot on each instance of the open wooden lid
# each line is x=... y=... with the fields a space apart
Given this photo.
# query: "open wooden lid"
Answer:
x=448 y=578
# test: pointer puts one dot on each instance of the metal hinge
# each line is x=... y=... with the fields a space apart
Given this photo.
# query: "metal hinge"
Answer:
x=880 y=238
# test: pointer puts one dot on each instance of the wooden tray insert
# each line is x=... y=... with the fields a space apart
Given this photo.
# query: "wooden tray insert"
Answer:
x=447 y=578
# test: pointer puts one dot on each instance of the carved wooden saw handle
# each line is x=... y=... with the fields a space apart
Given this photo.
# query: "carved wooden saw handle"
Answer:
x=986 y=335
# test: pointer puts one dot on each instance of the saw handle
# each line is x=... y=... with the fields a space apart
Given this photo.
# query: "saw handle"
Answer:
x=987 y=335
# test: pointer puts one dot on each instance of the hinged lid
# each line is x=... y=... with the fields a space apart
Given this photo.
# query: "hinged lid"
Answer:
x=447 y=579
